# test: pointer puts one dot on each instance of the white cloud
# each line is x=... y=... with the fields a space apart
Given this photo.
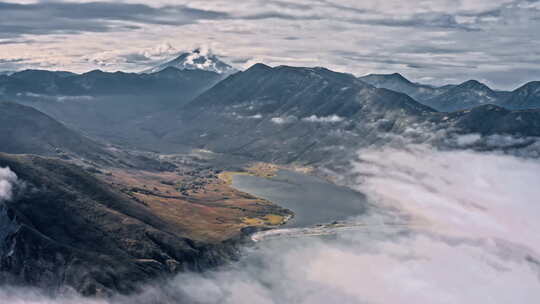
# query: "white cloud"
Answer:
x=468 y=139
x=283 y=120
x=327 y=119
x=7 y=179
x=256 y=116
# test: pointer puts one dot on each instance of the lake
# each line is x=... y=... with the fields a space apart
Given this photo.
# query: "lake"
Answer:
x=312 y=199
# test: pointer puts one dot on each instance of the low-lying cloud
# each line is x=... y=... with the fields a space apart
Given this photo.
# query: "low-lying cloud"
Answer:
x=331 y=118
x=444 y=227
x=7 y=180
x=283 y=120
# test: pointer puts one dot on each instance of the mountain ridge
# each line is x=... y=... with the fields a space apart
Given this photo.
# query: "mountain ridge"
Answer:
x=285 y=113
x=462 y=96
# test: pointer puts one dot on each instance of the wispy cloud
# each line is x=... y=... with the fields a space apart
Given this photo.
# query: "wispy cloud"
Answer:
x=435 y=41
x=44 y=18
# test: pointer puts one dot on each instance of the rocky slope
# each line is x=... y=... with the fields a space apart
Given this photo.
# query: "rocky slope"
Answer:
x=316 y=116
x=67 y=228
x=396 y=82
x=26 y=130
x=491 y=119
x=525 y=97
x=105 y=105
x=467 y=95
x=286 y=114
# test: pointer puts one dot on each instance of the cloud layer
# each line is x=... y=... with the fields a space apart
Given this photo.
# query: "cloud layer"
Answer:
x=434 y=41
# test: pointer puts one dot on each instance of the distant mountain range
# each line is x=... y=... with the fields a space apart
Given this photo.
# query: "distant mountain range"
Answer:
x=191 y=73
x=289 y=114
x=459 y=97
x=168 y=81
x=196 y=60
x=279 y=114
x=105 y=104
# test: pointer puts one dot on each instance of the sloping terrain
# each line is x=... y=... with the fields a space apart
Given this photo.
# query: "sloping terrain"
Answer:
x=105 y=232
x=32 y=83
x=467 y=95
x=286 y=114
x=26 y=130
x=316 y=116
x=525 y=97
x=491 y=119
x=105 y=105
x=396 y=82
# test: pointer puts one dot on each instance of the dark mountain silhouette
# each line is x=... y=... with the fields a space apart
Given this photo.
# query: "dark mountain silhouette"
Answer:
x=525 y=97
x=396 y=82
x=28 y=131
x=102 y=104
x=67 y=228
x=287 y=113
x=467 y=95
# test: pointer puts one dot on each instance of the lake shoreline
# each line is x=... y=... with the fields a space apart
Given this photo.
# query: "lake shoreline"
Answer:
x=312 y=200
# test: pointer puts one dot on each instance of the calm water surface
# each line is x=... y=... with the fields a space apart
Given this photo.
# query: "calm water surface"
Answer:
x=313 y=200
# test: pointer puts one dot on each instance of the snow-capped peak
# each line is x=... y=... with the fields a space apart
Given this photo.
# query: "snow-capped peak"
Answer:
x=196 y=60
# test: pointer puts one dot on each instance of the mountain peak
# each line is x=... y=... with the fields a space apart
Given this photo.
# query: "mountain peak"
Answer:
x=398 y=76
x=473 y=84
x=530 y=86
x=375 y=79
x=259 y=66
x=196 y=60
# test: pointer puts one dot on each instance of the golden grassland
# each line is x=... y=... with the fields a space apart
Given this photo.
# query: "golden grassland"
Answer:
x=267 y=220
x=213 y=213
x=227 y=176
x=260 y=169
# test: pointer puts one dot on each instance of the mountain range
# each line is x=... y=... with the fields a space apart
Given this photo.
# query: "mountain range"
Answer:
x=168 y=81
x=286 y=114
x=122 y=173
x=466 y=95
x=312 y=115
x=102 y=103
x=183 y=105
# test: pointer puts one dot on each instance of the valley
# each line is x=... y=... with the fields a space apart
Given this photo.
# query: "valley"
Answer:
x=269 y=152
x=124 y=179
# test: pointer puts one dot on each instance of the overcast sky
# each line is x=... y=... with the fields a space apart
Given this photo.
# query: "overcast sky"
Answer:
x=431 y=41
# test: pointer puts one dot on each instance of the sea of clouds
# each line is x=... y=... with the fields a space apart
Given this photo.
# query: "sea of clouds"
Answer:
x=445 y=227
